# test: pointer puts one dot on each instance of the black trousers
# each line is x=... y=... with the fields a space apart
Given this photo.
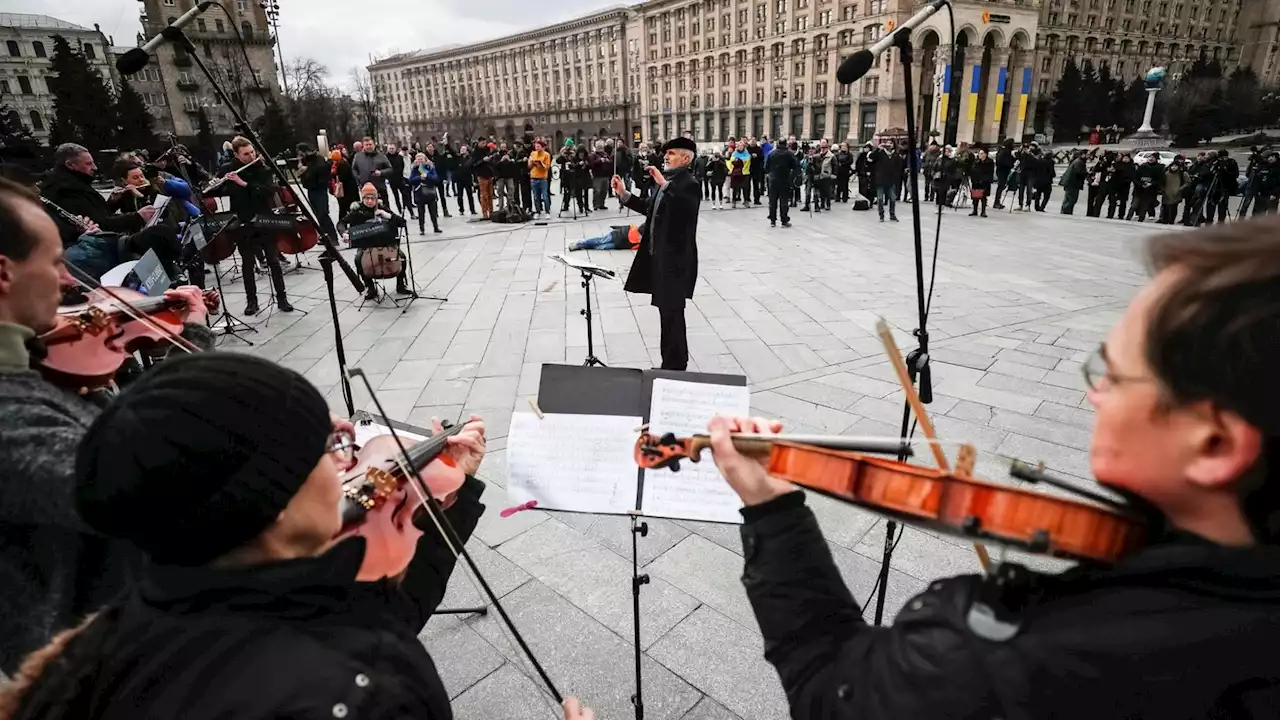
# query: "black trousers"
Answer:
x=674 y=342
x=524 y=188
x=757 y=185
x=460 y=189
x=426 y=201
x=1002 y=182
x=779 y=198
x=1117 y=197
x=842 y=188
x=250 y=245
x=400 y=191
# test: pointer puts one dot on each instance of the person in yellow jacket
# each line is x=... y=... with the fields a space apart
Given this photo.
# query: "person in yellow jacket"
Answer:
x=540 y=178
x=739 y=164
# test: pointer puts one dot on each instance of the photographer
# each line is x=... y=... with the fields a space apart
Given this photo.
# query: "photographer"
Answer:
x=1265 y=183
x=505 y=171
x=1225 y=183
x=601 y=165
x=1256 y=157
x=1150 y=176
x=1123 y=173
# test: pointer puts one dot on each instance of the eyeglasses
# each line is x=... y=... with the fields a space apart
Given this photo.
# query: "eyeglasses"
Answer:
x=343 y=445
x=1097 y=368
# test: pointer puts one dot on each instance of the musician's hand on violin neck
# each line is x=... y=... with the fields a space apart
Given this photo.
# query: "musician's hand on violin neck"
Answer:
x=194 y=299
x=746 y=475
x=468 y=446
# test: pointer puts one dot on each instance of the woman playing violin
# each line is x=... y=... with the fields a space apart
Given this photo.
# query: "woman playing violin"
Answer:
x=227 y=470
x=1187 y=423
x=53 y=569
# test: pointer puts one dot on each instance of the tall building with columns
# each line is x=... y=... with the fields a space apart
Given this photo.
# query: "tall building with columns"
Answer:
x=570 y=79
x=729 y=68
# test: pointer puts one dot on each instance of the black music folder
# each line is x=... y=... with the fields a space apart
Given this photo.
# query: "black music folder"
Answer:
x=579 y=455
x=374 y=233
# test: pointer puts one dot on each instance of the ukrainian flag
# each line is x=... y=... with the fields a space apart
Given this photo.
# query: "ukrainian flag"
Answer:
x=975 y=82
x=1001 y=88
x=1026 y=92
x=946 y=95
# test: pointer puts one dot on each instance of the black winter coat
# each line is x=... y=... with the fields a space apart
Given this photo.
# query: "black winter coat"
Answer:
x=781 y=165
x=294 y=639
x=981 y=174
x=886 y=168
x=74 y=192
x=1181 y=629
x=666 y=263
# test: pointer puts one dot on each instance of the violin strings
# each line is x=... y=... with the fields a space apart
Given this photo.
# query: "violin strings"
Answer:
x=128 y=309
x=453 y=542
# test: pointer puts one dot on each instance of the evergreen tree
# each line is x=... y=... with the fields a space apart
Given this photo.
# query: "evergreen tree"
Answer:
x=204 y=150
x=1190 y=111
x=137 y=126
x=277 y=133
x=84 y=111
x=1242 y=101
x=15 y=137
x=1065 y=111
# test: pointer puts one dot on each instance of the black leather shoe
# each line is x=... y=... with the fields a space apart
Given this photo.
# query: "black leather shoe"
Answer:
x=251 y=309
x=284 y=305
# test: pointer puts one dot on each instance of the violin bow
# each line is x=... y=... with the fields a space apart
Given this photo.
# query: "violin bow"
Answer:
x=450 y=535
x=926 y=425
x=134 y=313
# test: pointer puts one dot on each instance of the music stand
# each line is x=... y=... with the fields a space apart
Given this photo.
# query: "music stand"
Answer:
x=229 y=324
x=413 y=281
x=589 y=271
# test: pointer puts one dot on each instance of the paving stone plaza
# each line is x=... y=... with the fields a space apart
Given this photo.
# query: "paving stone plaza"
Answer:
x=1019 y=301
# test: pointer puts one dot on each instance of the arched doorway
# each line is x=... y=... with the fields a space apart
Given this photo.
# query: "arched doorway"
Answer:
x=559 y=140
x=954 y=86
x=981 y=121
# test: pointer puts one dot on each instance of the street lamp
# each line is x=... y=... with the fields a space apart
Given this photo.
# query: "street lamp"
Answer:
x=272 y=7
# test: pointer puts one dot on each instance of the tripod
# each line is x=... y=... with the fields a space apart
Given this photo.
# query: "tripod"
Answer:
x=587 y=276
x=228 y=324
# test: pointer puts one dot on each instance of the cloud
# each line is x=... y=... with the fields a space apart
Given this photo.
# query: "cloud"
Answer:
x=343 y=35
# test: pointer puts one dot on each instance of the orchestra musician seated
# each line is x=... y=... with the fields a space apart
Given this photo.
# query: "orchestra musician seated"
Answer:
x=1187 y=425
x=53 y=568
x=251 y=607
x=69 y=185
x=370 y=209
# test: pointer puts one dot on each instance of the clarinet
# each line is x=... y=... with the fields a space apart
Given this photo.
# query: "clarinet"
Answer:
x=75 y=221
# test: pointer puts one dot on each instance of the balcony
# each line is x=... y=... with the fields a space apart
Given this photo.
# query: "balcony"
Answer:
x=182 y=59
x=188 y=85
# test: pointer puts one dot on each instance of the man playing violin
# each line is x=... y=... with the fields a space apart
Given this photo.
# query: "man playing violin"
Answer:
x=251 y=189
x=251 y=608
x=1188 y=425
x=53 y=568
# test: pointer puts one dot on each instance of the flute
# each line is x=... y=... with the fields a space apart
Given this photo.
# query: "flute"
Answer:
x=217 y=182
x=75 y=221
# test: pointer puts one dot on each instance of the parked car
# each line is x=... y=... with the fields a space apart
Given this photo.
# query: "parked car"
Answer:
x=1166 y=156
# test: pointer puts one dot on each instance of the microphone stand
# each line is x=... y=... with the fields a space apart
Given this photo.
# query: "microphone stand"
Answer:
x=917 y=360
x=174 y=34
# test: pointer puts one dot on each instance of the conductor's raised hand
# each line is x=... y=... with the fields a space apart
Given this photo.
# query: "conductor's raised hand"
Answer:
x=618 y=187
x=655 y=172
x=746 y=475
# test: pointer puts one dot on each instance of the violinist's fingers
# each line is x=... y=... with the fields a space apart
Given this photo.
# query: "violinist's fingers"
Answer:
x=720 y=428
x=436 y=425
x=761 y=426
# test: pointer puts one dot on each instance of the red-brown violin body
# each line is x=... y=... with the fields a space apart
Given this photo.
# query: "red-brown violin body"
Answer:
x=91 y=341
x=381 y=504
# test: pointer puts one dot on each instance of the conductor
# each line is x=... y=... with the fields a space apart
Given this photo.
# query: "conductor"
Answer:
x=666 y=263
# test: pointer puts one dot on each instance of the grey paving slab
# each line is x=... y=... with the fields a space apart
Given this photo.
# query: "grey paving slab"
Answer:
x=584 y=658
x=597 y=581
x=708 y=709
x=709 y=573
x=725 y=661
x=462 y=657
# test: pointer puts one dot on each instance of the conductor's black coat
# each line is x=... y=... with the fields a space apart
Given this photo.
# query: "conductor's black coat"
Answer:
x=666 y=263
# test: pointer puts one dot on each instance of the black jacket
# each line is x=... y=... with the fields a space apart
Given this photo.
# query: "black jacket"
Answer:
x=253 y=199
x=396 y=177
x=666 y=263
x=74 y=192
x=781 y=165
x=482 y=162
x=1181 y=629
x=293 y=639
x=982 y=173
x=315 y=173
x=886 y=168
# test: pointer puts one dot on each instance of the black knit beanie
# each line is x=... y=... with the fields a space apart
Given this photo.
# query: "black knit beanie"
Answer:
x=200 y=455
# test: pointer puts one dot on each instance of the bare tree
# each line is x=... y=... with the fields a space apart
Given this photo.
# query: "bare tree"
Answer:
x=312 y=104
x=463 y=114
x=366 y=100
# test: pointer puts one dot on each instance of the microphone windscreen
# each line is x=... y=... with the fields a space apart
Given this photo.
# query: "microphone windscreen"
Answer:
x=177 y=188
x=854 y=67
x=133 y=61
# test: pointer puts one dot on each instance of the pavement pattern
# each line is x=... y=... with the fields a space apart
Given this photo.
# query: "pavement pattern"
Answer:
x=1020 y=299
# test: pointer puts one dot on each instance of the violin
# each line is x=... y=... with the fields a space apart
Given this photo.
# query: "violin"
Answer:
x=90 y=341
x=380 y=501
x=948 y=501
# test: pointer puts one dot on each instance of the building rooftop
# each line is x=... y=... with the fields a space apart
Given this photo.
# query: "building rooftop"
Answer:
x=442 y=51
x=37 y=22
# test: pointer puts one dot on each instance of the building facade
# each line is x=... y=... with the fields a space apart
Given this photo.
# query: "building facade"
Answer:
x=26 y=49
x=186 y=91
x=571 y=79
x=729 y=68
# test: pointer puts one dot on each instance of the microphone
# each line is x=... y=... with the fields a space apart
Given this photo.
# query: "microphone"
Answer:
x=857 y=64
x=133 y=61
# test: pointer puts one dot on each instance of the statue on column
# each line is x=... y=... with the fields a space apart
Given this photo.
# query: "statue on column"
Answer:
x=1146 y=135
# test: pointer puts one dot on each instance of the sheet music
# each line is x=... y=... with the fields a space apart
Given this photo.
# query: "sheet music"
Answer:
x=583 y=265
x=160 y=203
x=697 y=491
x=581 y=463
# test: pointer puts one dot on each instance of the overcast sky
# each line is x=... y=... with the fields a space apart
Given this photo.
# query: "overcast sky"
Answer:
x=342 y=34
